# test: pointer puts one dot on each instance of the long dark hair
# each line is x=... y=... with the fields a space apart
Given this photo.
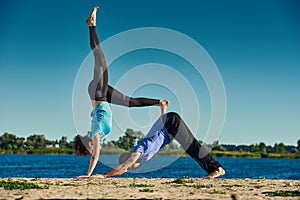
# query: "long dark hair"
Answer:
x=79 y=147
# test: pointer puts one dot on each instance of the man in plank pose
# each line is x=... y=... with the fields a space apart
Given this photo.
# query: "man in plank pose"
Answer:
x=167 y=126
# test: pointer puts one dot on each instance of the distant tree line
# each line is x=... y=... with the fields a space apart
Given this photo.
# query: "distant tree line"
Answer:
x=130 y=138
x=10 y=141
x=260 y=148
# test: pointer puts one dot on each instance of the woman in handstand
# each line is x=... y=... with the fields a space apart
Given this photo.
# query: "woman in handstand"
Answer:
x=101 y=94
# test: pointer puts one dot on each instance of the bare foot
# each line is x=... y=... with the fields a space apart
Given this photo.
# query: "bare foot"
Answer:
x=163 y=106
x=91 y=20
x=219 y=172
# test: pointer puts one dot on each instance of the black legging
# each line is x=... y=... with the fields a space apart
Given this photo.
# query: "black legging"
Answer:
x=116 y=97
x=179 y=130
x=98 y=88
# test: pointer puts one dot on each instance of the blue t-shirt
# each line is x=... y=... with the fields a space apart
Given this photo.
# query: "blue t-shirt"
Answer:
x=101 y=121
x=154 y=141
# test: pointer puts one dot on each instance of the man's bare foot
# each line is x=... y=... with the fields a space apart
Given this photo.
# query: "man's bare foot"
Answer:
x=163 y=106
x=219 y=172
x=91 y=20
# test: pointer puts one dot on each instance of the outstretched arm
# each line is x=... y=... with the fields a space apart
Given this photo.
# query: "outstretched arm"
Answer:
x=94 y=157
x=121 y=168
x=95 y=154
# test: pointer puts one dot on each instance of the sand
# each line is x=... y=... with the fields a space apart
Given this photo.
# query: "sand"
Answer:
x=151 y=188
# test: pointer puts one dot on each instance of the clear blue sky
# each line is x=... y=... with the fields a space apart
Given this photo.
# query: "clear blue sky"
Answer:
x=255 y=45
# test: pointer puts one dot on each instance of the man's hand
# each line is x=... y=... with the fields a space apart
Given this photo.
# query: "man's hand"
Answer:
x=98 y=176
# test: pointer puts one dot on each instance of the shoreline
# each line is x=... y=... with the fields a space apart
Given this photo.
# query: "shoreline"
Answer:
x=151 y=188
x=223 y=154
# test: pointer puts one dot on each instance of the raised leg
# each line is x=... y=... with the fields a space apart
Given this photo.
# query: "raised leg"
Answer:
x=98 y=86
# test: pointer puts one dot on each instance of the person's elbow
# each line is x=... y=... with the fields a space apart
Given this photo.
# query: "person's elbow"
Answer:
x=96 y=154
x=95 y=157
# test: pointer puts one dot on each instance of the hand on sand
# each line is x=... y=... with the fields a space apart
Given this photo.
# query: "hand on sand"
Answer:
x=99 y=176
x=219 y=172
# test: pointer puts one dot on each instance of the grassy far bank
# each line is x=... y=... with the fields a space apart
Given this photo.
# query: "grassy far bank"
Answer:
x=39 y=144
x=171 y=152
x=254 y=154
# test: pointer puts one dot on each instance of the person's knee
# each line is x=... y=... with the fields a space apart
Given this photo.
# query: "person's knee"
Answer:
x=173 y=121
x=173 y=116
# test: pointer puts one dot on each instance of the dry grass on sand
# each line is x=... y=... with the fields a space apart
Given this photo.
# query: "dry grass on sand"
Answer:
x=148 y=188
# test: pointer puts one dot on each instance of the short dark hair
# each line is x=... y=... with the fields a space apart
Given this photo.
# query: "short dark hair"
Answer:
x=79 y=147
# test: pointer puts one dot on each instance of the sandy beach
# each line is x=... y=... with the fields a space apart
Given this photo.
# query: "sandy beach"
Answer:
x=150 y=188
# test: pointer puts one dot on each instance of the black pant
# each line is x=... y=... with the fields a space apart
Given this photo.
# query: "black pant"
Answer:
x=179 y=130
x=98 y=86
x=116 y=97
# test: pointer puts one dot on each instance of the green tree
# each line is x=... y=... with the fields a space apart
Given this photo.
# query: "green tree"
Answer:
x=36 y=142
x=11 y=142
x=9 y=147
x=218 y=147
x=244 y=148
x=240 y=149
x=130 y=139
x=7 y=139
x=20 y=143
x=254 y=148
x=262 y=147
x=294 y=150
x=63 y=143
x=279 y=148
x=298 y=145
